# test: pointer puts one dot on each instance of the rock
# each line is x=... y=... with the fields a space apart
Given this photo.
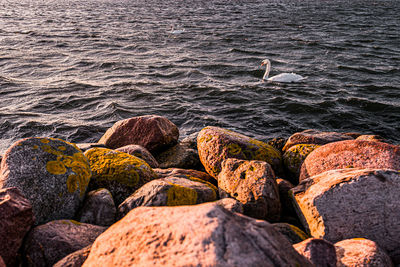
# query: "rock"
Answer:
x=75 y=259
x=284 y=187
x=200 y=235
x=315 y=137
x=2 y=263
x=118 y=172
x=231 y=204
x=48 y=243
x=190 y=140
x=365 y=199
x=294 y=157
x=253 y=184
x=278 y=143
x=155 y=133
x=361 y=252
x=217 y=144
x=185 y=173
x=98 y=208
x=371 y=137
x=320 y=252
x=170 y=191
x=140 y=152
x=87 y=146
x=53 y=174
x=351 y=154
x=16 y=218
x=180 y=156
x=291 y=232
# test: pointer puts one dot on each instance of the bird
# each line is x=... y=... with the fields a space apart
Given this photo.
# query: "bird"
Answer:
x=283 y=77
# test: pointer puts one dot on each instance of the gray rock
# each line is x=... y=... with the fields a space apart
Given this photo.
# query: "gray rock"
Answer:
x=185 y=173
x=48 y=243
x=98 y=208
x=318 y=251
x=170 y=191
x=180 y=156
x=253 y=184
x=200 y=235
x=291 y=232
x=342 y=204
x=361 y=252
x=53 y=174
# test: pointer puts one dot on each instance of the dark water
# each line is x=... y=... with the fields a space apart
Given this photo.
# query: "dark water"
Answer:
x=71 y=68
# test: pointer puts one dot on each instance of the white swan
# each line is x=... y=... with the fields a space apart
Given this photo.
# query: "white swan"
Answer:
x=283 y=77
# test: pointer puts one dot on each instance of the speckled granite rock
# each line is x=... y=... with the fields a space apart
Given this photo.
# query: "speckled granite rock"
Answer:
x=140 y=152
x=217 y=144
x=365 y=199
x=53 y=174
x=319 y=251
x=75 y=259
x=209 y=235
x=253 y=184
x=351 y=154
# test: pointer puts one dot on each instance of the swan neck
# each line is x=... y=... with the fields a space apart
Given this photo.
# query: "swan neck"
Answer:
x=267 y=69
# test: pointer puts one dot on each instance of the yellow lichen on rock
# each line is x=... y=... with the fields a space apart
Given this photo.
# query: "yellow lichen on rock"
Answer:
x=179 y=195
x=210 y=185
x=55 y=167
x=107 y=164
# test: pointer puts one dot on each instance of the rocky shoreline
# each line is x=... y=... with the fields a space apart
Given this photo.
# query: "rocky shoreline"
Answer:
x=142 y=197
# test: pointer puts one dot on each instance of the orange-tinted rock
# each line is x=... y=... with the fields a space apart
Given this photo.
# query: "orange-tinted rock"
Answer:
x=253 y=184
x=347 y=203
x=320 y=252
x=200 y=235
x=170 y=191
x=185 y=173
x=294 y=157
x=230 y=204
x=217 y=144
x=351 y=154
x=16 y=218
x=2 y=263
x=361 y=252
x=48 y=243
x=315 y=137
x=51 y=173
x=140 y=152
x=284 y=187
x=75 y=259
x=152 y=132
x=371 y=137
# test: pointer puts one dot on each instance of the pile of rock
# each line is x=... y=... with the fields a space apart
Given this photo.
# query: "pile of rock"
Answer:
x=141 y=197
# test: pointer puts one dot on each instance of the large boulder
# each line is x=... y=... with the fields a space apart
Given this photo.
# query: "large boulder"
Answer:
x=48 y=243
x=140 y=152
x=361 y=252
x=179 y=156
x=52 y=173
x=217 y=144
x=319 y=251
x=253 y=184
x=118 y=172
x=200 y=235
x=365 y=199
x=16 y=218
x=155 y=133
x=315 y=137
x=75 y=259
x=98 y=208
x=170 y=191
x=351 y=154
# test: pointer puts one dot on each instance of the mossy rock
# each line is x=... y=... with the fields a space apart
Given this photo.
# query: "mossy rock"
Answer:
x=292 y=233
x=118 y=172
x=217 y=144
x=52 y=173
x=170 y=191
x=294 y=157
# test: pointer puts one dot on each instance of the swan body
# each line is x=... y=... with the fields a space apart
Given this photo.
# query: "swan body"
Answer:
x=283 y=77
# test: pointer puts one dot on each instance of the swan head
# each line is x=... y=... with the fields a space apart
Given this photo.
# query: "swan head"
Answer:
x=265 y=62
